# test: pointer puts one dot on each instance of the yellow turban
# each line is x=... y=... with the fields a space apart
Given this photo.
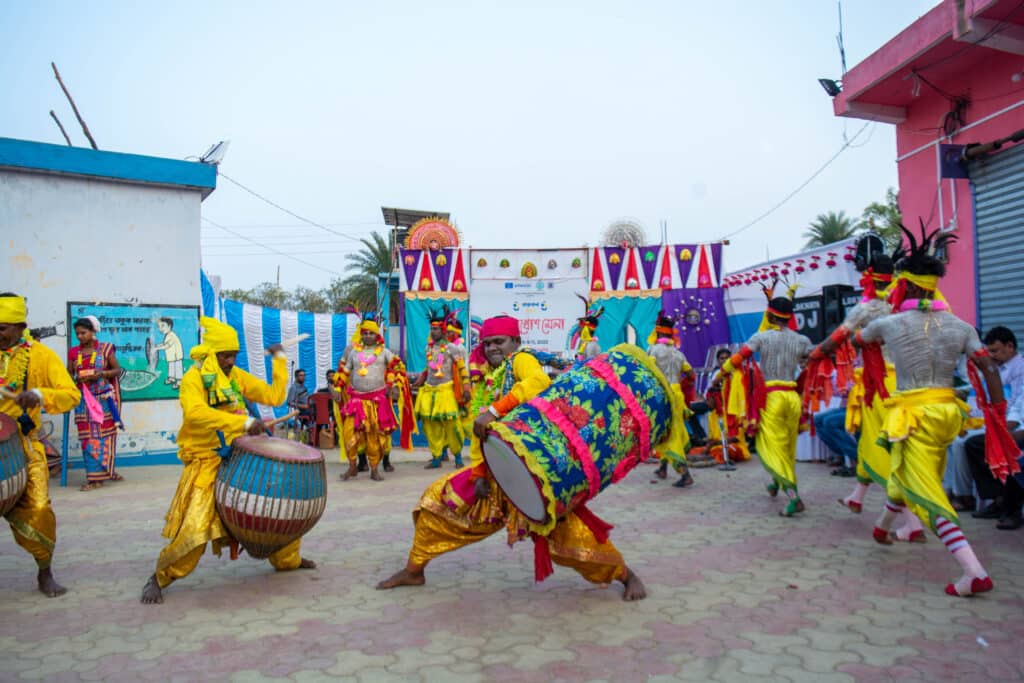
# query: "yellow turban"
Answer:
x=369 y=325
x=12 y=310
x=217 y=337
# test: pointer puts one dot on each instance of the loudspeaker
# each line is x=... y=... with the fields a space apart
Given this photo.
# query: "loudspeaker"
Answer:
x=807 y=313
x=832 y=309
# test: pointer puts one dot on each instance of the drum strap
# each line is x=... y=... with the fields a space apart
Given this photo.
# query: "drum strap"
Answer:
x=225 y=450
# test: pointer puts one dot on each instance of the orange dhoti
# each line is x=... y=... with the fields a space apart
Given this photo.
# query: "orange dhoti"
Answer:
x=448 y=518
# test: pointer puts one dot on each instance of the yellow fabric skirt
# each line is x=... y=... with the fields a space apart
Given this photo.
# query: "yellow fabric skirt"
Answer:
x=777 y=432
x=872 y=457
x=676 y=442
x=32 y=520
x=444 y=522
x=919 y=426
x=437 y=402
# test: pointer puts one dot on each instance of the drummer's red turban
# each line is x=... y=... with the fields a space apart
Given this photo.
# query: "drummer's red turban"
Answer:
x=500 y=326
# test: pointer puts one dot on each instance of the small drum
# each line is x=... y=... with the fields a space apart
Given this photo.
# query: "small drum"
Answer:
x=585 y=431
x=270 y=492
x=13 y=464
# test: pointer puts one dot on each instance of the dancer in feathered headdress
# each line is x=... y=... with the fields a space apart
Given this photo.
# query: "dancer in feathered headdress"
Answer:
x=925 y=341
x=443 y=386
x=664 y=349
x=773 y=404
x=585 y=340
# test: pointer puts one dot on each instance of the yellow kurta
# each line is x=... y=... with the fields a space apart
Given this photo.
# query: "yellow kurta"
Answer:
x=777 y=433
x=32 y=519
x=530 y=381
x=192 y=519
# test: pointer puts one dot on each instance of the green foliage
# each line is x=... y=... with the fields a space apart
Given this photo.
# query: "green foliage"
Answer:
x=884 y=218
x=830 y=227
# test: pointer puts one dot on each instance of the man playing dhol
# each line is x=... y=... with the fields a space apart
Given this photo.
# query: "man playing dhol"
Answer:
x=213 y=395
x=32 y=378
x=467 y=506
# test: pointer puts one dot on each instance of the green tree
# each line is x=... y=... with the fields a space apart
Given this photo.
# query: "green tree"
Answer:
x=312 y=300
x=363 y=267
x=264 y=294
x=828 y=228
x=884 y=218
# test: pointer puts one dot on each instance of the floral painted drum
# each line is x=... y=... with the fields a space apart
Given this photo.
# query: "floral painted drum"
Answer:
x=13 y=464
x=584 y=432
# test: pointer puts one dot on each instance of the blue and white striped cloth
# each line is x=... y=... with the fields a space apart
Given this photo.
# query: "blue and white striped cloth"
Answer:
x=258 y=327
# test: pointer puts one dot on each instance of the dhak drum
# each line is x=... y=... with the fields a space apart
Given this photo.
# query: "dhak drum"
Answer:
x=270 y=492
x=589 y=428
x=13 y=464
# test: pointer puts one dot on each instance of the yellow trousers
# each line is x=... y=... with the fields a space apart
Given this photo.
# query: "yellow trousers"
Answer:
x=440 y=529
x=777 y=433
x=920 y=425
x=32 y=520
x=192 y=522
x=439 y=416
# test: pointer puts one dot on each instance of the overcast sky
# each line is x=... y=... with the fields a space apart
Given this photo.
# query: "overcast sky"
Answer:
x=535 y=124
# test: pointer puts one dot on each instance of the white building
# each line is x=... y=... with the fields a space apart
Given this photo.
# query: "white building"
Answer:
x=117 y=235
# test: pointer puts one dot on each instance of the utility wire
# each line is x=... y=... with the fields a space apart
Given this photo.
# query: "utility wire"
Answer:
x=802 y=185
x=268 y=248
x=256 y=194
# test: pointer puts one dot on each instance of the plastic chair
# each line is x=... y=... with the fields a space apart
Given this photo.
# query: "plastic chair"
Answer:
x=323 y=416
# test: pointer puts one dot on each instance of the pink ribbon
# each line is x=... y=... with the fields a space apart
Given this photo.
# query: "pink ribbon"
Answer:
x=598 y=366
x=579 y=448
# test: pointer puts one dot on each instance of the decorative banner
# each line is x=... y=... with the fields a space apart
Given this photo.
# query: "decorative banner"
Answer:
x=700 y=318
x=527 y=264
x=546 y=309
x=432 y=270
x=152 y=342
x=638 y=270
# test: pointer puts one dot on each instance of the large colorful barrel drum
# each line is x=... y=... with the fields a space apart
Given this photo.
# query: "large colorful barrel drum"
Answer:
x=13 y=464
x=587 y=430
x=270 y=492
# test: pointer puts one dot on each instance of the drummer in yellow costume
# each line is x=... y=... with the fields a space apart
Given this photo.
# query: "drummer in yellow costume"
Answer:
x=467 y=506
x=774 y=397
x=213 y=394
x=32 y=378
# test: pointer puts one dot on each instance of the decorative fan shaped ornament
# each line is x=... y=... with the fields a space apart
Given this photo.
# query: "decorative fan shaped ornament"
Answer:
x=432 y=233
x=625 y=233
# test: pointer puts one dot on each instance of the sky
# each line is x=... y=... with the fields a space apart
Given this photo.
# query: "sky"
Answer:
x=535 y=124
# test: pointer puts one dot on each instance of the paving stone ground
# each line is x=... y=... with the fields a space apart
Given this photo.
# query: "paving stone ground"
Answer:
x=734 y=592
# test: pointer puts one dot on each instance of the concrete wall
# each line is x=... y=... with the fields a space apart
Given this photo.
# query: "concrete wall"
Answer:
x=991 y=90
x=71 y=239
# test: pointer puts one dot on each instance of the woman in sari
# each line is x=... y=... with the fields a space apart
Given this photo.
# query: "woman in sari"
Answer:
x=95 y=369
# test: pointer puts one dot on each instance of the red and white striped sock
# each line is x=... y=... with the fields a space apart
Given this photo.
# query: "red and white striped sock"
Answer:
x=951 y=535
x=891 y=511
x=858 y=494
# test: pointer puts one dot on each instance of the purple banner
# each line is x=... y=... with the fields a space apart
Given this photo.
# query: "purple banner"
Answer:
x=442 y=267
x=410 y=259
x=700 y=318
x=650 y=265
x=615 y=257
x=684 y=265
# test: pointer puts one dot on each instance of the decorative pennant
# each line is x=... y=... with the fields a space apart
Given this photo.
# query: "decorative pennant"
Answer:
x=442 y=261
x=613 y=256
x=665 y=278
x=410 y=265
x=684 y=259
x=459 y=278
x=426 y=282
x=649 y=263
x=632 y=272
x=705 y=275
x=597 y=282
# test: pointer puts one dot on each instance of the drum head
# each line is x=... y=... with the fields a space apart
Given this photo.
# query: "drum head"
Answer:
x=8 y=426
x=277 y=449
x=514 y=478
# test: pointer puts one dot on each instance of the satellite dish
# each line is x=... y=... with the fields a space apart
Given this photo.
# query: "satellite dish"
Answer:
x=215 y=154
x=869 y=247
x=624 y=232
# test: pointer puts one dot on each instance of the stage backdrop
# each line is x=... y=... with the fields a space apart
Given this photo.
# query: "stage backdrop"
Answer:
x=144 y=334
x=700 y=318
x=417 y=325
x=547 y=310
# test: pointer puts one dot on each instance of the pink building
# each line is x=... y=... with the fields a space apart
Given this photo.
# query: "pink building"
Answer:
x=956 y=77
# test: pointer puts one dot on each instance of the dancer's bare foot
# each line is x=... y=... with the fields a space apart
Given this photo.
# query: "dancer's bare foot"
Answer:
x=404 y=578
x=151 y=593
x=352 y=473
x=48 y=586
x=633 y=587
x=307 y=564
x=375 y=475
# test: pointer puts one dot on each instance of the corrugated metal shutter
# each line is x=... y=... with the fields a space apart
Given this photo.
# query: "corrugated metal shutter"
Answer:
x=999 y=218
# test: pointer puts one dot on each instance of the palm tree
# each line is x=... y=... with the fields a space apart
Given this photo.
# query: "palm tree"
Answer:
x=830 y=227
x=365 y=265
x=885 y=219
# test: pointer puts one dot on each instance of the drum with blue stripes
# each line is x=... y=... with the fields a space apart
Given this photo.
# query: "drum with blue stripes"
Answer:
x=13 y=464
x=270 y=492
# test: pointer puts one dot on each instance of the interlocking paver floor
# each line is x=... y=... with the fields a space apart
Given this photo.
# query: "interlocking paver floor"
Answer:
x=734 y=592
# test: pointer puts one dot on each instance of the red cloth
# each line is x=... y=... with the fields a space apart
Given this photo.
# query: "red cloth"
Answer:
x=597 y=526
x=874 y=373
x=502 y=326
x=1001 y=451
x=542 y=567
